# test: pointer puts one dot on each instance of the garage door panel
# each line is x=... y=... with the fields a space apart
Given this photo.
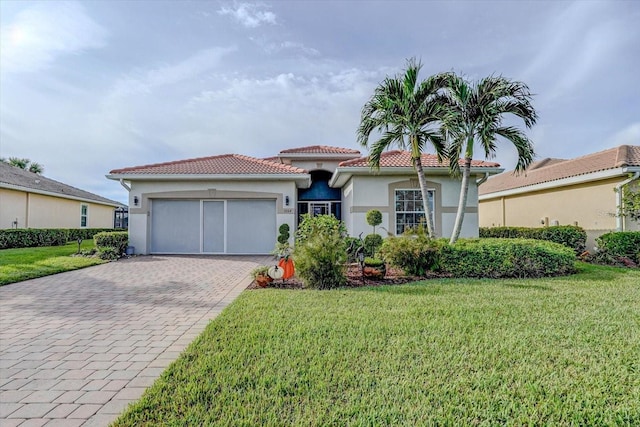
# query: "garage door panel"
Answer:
x=251 y=226
x=213 y=226
x=175 y=226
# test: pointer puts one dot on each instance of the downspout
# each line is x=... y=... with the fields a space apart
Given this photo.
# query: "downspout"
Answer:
x=619 y=219
x=124 y=184
x=483 y=179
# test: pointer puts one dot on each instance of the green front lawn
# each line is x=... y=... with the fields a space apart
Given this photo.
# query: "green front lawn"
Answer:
x=556 y=351
x=28 y=263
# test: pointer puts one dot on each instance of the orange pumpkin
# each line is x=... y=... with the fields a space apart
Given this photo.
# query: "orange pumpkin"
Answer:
x=287 y=266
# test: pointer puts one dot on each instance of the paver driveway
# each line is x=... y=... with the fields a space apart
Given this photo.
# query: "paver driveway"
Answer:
x=76 y=348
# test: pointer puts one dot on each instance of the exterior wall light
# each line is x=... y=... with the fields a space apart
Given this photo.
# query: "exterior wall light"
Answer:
x=136 y=201
x=286 y=200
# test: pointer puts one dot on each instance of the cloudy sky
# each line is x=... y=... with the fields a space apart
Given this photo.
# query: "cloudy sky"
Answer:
x=87 y=87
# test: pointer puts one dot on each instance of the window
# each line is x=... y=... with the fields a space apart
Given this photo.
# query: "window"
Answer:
x=409 y=209
x=84 y=209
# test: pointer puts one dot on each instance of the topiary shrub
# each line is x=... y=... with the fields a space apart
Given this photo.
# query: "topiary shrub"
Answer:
x=283 y=236
x=621 y=244
x=568 y=235
x=414 y=252
x=374 y=218
x=320 y=252
x=503 y=258
x=115 y=241
x=372 y=243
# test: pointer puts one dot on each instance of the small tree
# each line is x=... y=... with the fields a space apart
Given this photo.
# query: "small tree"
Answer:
x=374 y=218
x=630 y=202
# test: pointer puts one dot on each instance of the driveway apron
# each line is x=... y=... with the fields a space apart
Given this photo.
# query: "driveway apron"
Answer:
x=76 y=348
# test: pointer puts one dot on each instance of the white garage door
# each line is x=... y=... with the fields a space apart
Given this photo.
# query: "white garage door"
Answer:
x=213 y=226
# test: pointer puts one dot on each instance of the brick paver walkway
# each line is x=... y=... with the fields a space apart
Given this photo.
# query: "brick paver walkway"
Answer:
x=76 y=348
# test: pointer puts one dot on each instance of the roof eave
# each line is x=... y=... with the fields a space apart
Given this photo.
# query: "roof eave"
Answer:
x=58 y=195
x=573 y=180
x=343 y=173
x=301 y=179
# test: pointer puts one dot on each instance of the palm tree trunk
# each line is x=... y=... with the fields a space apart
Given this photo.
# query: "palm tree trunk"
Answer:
x=462 y=203
x=425 y=196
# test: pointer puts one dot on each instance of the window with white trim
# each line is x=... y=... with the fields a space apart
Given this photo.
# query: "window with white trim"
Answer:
x=410 y=210
x=84 y=213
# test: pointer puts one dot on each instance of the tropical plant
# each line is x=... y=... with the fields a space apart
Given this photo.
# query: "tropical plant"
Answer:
x=474 y=114
x=630 y=202
x=25 y=164
x=405 y=112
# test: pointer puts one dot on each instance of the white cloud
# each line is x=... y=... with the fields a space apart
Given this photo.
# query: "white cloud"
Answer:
x=141 y=81
x=44 y=31
x=250 y=15
x=287 y=45
x=630 y=135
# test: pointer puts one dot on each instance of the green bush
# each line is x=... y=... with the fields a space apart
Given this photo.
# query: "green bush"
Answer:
x=88 y=233
x=283 y=236
x=620 y=244
x=109 y=253
x=112 y=241
x=568 y=235
x=321 y=252
x=414 y=252
x=33 y=237
x=372 y=243
x=501 y=258
x=36 y=237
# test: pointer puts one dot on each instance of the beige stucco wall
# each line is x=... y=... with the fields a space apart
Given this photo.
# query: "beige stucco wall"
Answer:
x=591 y=205
x=377 y=192
x=145 y=191
x=40 y=211
x=13 y=207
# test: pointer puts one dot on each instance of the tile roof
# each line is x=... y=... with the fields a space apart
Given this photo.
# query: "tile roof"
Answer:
x=548 y=170
x=226 y=164
x=319 y=149
x=23 y=178
x=399 y=159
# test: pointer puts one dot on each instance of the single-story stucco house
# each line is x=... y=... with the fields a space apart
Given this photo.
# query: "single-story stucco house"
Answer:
x=234 y=204
x=578 y=191
x=29 y=200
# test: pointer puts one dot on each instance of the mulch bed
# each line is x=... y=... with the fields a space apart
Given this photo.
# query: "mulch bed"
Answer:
x=394 y=276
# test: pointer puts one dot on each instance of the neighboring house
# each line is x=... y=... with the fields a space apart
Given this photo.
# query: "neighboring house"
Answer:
x=29 y=200
x=578 y=191
x=234 y=204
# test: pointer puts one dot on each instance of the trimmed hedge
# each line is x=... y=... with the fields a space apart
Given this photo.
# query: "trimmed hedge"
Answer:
x=621 y=244
x=33 y=237
x=112 y=243
x=505 y=258
x=568 y=235
x=36 y=237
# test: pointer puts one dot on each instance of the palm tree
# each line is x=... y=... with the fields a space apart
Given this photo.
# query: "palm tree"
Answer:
x=25 y=164
x=474 y=114
x=405 y=112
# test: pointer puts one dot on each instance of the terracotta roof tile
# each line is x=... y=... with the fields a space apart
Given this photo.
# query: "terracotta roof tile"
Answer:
x=226 y=164
x=398 y=158
x=319 y=149
x=555 y=169
x=23 y=178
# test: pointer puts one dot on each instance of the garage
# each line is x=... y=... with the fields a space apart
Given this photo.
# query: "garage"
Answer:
x=213 y=226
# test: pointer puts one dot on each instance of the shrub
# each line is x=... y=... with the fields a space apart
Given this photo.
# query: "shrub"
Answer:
x=568 y=235
x=374 y=218
x=109 y=253
x=620 y=244
x=414 y=252
x=284 y=235
x=371 y=244
x=115 y=240
x=33 y=237
x=321 y=252
x=501 y=258
x=88 y=233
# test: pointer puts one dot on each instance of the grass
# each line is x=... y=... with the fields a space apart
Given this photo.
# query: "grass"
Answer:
x=28 y=263
x=556 y=351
